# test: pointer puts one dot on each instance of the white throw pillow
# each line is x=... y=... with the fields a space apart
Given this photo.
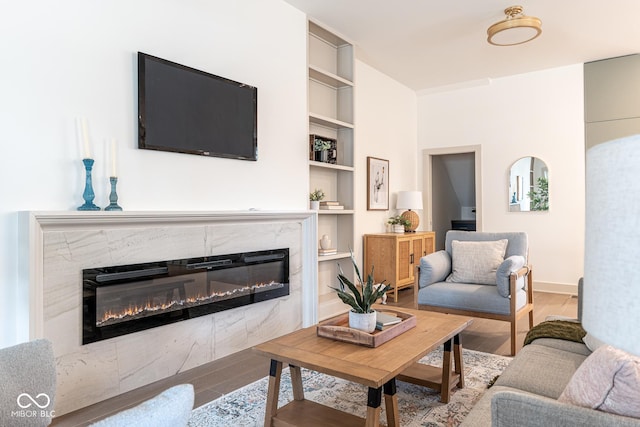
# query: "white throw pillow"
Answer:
x=476 y=262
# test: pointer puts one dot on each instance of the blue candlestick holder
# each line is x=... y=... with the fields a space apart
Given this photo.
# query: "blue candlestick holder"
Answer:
x=113 y=196
x=88 y=194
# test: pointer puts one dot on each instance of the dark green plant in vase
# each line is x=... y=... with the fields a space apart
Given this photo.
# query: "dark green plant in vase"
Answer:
x=360 y=296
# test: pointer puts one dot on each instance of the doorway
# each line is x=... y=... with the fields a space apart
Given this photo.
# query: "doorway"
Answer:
x=452 y=186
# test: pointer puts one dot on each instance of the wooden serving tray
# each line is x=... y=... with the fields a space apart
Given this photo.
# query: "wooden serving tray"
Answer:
x=337 y=328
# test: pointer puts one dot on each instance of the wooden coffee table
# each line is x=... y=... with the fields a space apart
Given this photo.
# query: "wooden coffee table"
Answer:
x=377 y=368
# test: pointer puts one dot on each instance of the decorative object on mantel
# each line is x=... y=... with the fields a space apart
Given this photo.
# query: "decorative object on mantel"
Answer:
x=516 y=28
x=377 y=184
x=398 y=223
x=314 y=197
x=323 y=149
x=113 y=179
x=88 y=195
x=410 y=200
x=360 y=297
x=113 y=196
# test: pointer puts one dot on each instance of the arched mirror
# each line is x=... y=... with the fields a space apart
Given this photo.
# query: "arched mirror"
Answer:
x=529 y=185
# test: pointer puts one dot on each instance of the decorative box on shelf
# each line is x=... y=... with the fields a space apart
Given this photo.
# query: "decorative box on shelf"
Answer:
x=337 y=328
x=323 y=149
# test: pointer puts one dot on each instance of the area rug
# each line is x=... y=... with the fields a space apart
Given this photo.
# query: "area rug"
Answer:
x=418 y=406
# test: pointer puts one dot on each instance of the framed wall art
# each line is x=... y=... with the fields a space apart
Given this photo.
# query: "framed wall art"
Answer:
x=377 y=184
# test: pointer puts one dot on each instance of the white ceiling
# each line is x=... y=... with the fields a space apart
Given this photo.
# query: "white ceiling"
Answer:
x=428 y=44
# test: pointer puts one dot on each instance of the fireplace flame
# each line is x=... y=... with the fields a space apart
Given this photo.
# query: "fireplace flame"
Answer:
x=150 y=308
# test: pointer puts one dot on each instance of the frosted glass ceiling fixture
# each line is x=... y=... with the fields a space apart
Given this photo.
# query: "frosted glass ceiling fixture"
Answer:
x=516 y=28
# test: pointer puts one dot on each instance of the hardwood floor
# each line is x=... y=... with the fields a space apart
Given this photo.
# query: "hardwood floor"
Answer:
x=217 y=378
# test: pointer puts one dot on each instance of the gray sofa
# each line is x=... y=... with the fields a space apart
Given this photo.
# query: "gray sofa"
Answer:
x=526 y=392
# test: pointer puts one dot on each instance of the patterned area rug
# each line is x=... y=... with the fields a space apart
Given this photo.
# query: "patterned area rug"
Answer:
x=418 y=406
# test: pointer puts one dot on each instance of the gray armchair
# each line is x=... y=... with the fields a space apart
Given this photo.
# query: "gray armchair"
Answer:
x=479 y=274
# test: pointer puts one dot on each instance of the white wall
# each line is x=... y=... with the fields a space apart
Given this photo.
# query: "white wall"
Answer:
x=386 y=128
x=62 y=60
x=536 y=114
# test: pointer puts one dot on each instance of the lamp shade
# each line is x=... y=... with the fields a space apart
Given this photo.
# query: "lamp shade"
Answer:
x=409 y=200
x=611 y=293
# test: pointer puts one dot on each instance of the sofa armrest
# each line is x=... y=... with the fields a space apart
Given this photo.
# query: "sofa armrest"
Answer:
x=511 y=408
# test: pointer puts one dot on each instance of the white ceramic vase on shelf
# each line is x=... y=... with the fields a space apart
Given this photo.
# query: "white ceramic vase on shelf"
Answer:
x=325 y=242
x=362 y=321
x=315 y=205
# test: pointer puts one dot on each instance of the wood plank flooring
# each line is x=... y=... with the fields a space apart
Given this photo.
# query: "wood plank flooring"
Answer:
x=225 y=375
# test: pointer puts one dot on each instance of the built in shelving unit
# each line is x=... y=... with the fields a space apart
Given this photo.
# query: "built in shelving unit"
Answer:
x=331 y=115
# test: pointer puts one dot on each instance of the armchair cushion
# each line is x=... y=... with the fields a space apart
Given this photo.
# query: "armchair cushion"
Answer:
x=476 y=262
x=434 y=267
x=508 y=266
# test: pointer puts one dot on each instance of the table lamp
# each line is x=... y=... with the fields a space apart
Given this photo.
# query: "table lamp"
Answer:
x=410 y=200
x=611 y=292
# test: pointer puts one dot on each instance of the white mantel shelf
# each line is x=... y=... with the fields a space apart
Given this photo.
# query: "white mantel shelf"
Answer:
x=55 y=247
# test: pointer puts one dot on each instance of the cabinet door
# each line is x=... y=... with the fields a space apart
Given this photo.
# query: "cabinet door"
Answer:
x=404 y=267
x=418 y=249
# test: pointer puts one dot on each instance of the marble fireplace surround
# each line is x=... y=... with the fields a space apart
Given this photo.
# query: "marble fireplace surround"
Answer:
x=58 y=245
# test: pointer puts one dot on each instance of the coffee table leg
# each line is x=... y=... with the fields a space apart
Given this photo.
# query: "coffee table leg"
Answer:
x=457 y=355
x=275 y=372
x=391 y=403
x=374 y=400
x=445 y=390
x=296 y=382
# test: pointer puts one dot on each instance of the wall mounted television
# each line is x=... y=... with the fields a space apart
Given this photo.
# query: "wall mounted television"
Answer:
x=184 y=110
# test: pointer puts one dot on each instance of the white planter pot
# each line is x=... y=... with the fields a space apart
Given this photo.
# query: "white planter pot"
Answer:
x=362 y=321
x=398 y=228
x=315 y=205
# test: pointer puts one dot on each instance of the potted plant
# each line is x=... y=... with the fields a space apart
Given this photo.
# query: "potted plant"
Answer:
x=399 y=223
x=315 y=198
x=321 y=148
x=360 y=297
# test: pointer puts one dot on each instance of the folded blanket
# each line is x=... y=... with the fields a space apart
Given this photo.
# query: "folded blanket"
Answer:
x=561 y=329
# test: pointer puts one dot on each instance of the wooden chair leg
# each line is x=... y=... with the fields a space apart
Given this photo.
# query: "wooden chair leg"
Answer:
x=514 y=335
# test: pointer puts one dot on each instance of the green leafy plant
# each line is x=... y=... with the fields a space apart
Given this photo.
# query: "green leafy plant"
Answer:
x=398 y=220
x=316 y=195
x=360 y=296
x=321 y=145
x=540 y=198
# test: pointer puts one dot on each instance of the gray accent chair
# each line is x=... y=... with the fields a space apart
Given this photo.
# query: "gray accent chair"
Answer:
x=27 y=384
x=509 y=299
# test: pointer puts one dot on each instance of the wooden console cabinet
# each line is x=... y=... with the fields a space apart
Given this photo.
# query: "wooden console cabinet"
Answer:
x=394 y=256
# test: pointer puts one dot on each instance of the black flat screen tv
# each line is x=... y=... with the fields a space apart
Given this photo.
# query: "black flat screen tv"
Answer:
x=184 y=110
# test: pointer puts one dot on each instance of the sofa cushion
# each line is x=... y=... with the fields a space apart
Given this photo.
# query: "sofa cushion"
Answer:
x=541 y=370
x=465 y=296
x=434 y=267
x=171 y=408
x=608 y=380
x=476 y=262
x=509 y=265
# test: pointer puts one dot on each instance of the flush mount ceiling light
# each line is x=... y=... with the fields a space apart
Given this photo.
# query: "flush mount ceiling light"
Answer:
x=516 y=28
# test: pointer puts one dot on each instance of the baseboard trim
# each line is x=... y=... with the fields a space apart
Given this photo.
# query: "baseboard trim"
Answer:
x=556 y=288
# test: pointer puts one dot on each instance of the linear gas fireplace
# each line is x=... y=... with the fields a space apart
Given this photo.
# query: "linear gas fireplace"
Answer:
x=122 y=299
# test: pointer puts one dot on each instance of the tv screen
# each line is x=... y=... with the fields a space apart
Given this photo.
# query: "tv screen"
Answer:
x=185 y=110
